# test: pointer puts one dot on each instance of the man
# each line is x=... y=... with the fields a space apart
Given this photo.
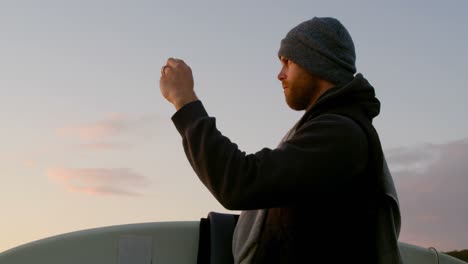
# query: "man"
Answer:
x=325 y=191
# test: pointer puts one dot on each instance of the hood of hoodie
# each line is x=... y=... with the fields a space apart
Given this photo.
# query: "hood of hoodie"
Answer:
x=357 y=100
x=357 y=96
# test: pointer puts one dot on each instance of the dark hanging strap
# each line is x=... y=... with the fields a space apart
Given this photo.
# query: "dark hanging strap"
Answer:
x=215 y=240
x=204 y=241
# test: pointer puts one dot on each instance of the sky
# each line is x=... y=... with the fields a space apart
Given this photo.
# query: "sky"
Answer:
x=87 y=139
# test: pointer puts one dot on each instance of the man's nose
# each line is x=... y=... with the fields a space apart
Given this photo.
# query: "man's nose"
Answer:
x=281 y=75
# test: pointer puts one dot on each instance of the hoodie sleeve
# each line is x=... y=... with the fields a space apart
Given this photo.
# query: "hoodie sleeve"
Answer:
x=324 y=156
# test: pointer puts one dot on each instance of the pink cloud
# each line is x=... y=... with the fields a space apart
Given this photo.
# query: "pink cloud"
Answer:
x=431 y=182
x=96 y=135
x=29 y=163
x=97 y=181
x=111 y=125
x=105 y=146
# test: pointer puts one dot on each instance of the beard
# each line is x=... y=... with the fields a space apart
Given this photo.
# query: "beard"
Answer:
x=301 y=97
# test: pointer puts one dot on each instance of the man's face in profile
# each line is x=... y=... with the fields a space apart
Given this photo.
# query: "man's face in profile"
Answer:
x=300 y=87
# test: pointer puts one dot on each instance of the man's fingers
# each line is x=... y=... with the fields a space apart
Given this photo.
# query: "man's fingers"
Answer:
x=164 y=69
x=172 y=62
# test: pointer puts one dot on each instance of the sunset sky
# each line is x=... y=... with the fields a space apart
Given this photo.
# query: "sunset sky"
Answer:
x=87 y=140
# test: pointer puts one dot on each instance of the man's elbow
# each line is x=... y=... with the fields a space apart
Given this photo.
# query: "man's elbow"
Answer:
x=232 y=203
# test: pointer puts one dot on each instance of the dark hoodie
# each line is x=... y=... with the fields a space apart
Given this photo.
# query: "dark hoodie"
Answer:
x=325 y=189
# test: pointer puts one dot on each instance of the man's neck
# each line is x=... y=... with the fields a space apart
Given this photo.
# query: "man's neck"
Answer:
x=323 y=87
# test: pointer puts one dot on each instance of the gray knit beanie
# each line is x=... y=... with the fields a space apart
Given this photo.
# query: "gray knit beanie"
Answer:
x=322 y=46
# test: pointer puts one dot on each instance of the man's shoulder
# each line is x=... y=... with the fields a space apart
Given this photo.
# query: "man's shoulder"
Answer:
x=335 y=120
x=330 y=125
